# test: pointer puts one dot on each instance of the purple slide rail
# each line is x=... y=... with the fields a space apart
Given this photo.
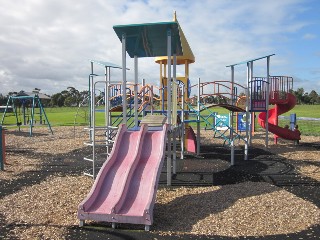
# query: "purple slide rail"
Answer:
x=125 y=188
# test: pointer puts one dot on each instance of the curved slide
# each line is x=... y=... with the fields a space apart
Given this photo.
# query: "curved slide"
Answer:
x=125 y=188
x=280 y=108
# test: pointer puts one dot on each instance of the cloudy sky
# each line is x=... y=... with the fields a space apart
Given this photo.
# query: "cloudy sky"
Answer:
x=47 y=43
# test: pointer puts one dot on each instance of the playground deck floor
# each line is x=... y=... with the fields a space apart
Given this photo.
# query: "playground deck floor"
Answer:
x=44 y=182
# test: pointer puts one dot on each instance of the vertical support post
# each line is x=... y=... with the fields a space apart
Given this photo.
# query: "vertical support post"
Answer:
x=151 y=99
x=198 y=119
x=2 y=150
x=247 y=113
x=198 y=137
x=267 y=102
x=91 y=95
x=135 y=91
x=169 y=160
x=91 y=102
x=32 y=115
x=174 y=153
x=174 y=89
x=182 y=130
x=124 y=80
x=143 y=94
x=250 y=104
x=198 y=102
x=93 y=129
x=231 y=117
x=107 y=106
x=169 y=77
x=106 y=99
x=24 y=112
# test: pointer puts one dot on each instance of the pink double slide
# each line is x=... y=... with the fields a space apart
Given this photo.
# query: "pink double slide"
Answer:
x=125 y=188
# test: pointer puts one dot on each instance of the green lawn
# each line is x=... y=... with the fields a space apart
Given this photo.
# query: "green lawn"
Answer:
x=311 y=111
x=68 y=116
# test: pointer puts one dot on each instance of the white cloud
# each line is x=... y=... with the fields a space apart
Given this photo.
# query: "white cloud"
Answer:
x=46 y=44
x=309 y=36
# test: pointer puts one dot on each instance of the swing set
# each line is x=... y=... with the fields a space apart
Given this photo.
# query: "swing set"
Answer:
x=25 y=111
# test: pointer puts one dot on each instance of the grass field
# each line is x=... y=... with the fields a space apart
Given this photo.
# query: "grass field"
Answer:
x=69 y=116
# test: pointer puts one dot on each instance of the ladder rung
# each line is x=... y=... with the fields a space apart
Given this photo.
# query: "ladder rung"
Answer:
x=88 y=174
x=99 y=145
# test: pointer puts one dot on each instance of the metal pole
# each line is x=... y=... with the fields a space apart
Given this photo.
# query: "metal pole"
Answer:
x=124 y=80
x=267 y=102
x=247 y=112
x=106 y=99
x=135 y=91
x=250 y=103
x=32 y=115
x=198 y=102
x=182 y=126
x=151 y=100
x=93 y=131
x=169 y=160
x=169 y=79
x=143 y=95
x=106 y=106
x=198 y=119
x=174 y=93
x=90 y=91
x=174 y=154
x=231 y=117
x=2 y=151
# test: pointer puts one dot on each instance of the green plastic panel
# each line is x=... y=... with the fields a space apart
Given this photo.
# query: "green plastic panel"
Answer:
x=150 y=39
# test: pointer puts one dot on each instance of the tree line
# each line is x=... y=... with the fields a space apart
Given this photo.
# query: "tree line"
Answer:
x=72 y=97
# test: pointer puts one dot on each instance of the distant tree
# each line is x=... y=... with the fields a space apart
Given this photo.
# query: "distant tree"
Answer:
x=314 y=97
x=68 y=101
x=57 y=100
x=3 y=100
x=305 y=98
x=299 y=94
x=74 y=96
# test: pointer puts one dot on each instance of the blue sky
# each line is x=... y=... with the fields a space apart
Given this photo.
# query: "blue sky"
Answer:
x=47 y=44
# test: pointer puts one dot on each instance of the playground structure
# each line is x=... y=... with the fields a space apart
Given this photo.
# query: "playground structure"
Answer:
x=124 y=189
x=284 y=101
x=24 y=106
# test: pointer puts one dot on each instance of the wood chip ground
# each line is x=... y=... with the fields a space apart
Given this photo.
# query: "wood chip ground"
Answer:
x=46 y=208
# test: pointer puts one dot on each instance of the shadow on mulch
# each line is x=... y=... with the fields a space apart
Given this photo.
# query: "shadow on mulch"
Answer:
x=27 y=133
x=51 y=164
x=93 y=232
x=262 y=166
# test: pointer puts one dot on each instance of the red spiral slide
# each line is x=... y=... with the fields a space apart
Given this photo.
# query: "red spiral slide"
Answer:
x=281 y=106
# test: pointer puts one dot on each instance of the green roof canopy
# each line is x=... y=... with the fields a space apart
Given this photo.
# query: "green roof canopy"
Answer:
x=150 y=39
